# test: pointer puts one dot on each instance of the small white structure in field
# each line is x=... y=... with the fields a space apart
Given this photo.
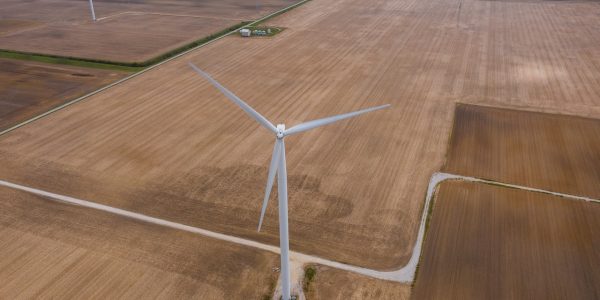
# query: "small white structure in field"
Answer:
x=245 y=32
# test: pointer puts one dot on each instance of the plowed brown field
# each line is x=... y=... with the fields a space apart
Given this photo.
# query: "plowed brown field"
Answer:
x=490 y=242
x=169 y=145
x=53 y=250
x=548 y=151
x=125 y=31
x=29 y=88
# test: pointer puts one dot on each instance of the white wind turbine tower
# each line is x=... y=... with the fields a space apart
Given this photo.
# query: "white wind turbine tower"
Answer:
x=92 y=10
x=278 y=166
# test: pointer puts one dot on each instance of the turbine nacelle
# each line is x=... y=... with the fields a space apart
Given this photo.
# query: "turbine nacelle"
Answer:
x=280 y=131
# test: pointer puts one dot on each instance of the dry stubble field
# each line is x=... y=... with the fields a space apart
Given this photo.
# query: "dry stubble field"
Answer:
x=330 y=283
x=169 y=145
x=54 y=250
x=126 y=31
x=490 y=242
x=30 y=88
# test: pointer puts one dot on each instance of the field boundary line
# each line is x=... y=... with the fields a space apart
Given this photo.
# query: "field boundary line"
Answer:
x=79 y=99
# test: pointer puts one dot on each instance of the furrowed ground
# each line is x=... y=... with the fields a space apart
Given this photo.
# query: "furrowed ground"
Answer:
x=329 y=283
x=54 y=250
x=30 y=88
x=169 y=145
x=490 y=242
x=493 y=242
x=558 y=153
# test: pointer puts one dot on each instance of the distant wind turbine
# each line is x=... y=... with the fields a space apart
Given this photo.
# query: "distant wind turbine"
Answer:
x=278 y=166
x=92 y=10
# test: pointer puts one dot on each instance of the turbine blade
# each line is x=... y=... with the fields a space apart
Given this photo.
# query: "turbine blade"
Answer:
x=270 y=179
x=321 y=122
x=247 y=108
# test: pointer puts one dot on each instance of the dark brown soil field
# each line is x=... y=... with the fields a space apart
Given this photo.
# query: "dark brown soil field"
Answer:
x=169 y=145
x=29 y=88
x=490 y=242
x=330 y=283
x=554 y=152
x=59 y=251
x=126 y=31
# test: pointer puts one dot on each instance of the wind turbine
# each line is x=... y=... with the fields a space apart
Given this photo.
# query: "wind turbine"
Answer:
x=92 y=9
x=278 y=166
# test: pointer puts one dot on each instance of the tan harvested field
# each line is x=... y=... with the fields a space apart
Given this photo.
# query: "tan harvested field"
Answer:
x=490 y=242
x=331 y=283
x=54 y=250
x=169 y=145
x=126 y=31
x=8 y=26
x=30 y=88
x=548 y=151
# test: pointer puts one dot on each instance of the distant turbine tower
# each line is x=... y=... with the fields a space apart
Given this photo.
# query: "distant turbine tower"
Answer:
x=278 y=166
x=92 y=9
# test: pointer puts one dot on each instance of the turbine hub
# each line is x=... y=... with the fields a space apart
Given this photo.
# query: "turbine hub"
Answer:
x=280 y=130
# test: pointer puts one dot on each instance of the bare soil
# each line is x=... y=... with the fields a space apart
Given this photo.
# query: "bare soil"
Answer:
x=169 y=145
x=331 y=283
x=490 y=242
x=53 y=250
x=29 y=88
x=126 y=31
x=10 y=26
x=554 y=152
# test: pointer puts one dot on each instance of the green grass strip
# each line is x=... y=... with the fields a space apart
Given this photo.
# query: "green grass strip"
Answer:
x=50 y=59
